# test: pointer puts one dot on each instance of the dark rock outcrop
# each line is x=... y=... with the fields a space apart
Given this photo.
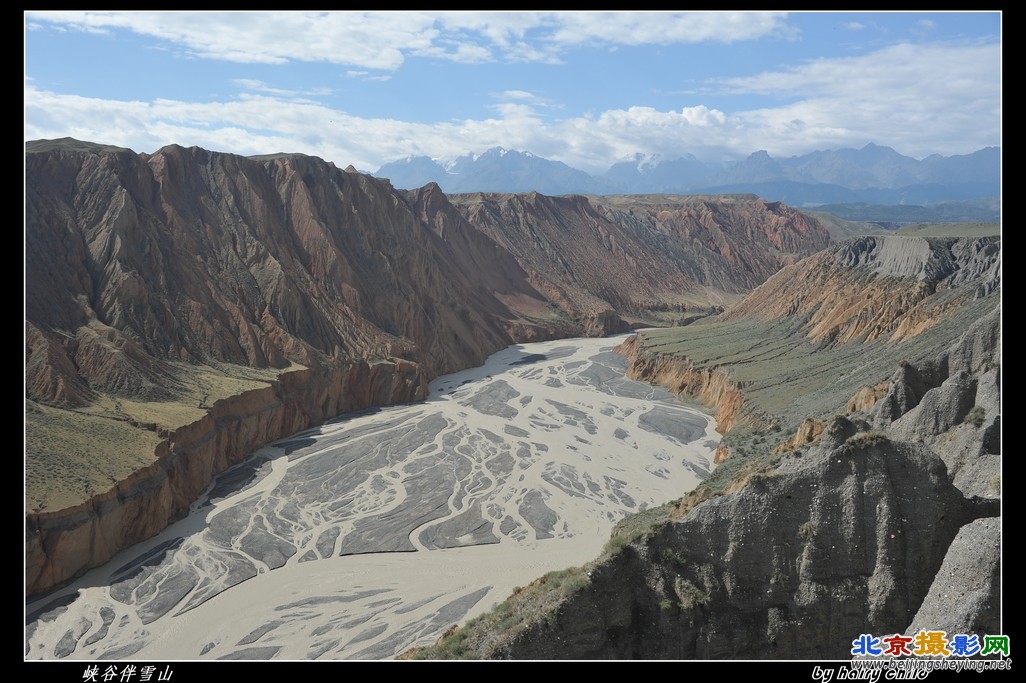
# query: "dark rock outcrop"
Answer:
x=842 y=540
x=965 y=596
x=864 y=532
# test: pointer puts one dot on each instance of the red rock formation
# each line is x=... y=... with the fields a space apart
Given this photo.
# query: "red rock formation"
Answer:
x=867 y=396
x=721 y=454
x=186 y=255
x=809 y=432
x=193 y=255
x=637 y=253
x=713 y=387
x=892 y=287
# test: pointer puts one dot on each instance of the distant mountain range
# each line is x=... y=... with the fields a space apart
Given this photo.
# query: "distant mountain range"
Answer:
x=871 y=175
x=497 y=170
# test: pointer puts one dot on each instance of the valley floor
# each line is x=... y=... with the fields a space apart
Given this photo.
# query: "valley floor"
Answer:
x=378 y=531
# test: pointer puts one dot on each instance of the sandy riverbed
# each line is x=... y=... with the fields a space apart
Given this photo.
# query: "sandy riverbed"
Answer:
x=376 y=532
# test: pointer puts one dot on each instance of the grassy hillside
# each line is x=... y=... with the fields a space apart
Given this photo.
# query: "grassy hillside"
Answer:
x=951 y=230
x=73 y=454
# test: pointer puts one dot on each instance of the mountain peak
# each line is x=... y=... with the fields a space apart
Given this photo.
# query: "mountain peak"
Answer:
x=70 y=145
x=825 y=176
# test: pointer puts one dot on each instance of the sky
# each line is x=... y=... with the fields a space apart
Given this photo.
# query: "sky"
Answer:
x=585 y=88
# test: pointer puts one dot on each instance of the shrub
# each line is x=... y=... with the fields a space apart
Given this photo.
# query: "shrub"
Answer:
x=615 y=544
x=690 y=595
x=806 y=531
x=976 y=416
x=674 y=559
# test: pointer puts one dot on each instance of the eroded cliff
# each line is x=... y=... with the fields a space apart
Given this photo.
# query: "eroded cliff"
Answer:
x=868 y=287
x=794 y=565
x=643 y=254
x=713 y=387
x=143 y=271
x=59 y=544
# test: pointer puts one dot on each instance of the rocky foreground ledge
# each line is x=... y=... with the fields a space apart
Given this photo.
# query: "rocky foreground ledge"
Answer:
x=843 y=539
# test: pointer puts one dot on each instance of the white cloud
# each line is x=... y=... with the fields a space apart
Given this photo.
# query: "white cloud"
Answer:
x=259 y=124
x=524 y=97
x=512 y=110
x=456 y=52
x=260 y=86
x=923 y=28
x=383 y=40
x=662 y=28
x=366 y=75
x=501 y=29
x=919 y=99
x=905 y=70
x=374 y=40
x=854 y=26
x=516 y=95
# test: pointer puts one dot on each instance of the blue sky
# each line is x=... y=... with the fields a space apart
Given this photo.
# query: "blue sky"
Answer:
x=586 y=88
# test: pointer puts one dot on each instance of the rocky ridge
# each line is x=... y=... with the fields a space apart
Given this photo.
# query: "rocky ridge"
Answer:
x=713 y=387
x=869 y=287
x=137 y=262
x=60 y=543
x=639 y=253
x=794 y=565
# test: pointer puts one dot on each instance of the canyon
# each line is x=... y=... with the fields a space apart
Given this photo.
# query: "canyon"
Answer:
x=185 y=307
x=188 y=308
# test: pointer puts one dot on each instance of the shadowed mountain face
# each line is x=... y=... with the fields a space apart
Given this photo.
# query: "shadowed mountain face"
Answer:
x=192 y=255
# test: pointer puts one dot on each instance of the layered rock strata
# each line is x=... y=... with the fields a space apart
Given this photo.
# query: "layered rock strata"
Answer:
x=713 y=387
x=641 y=253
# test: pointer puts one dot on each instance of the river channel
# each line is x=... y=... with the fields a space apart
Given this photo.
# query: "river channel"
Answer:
x=377 y=531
